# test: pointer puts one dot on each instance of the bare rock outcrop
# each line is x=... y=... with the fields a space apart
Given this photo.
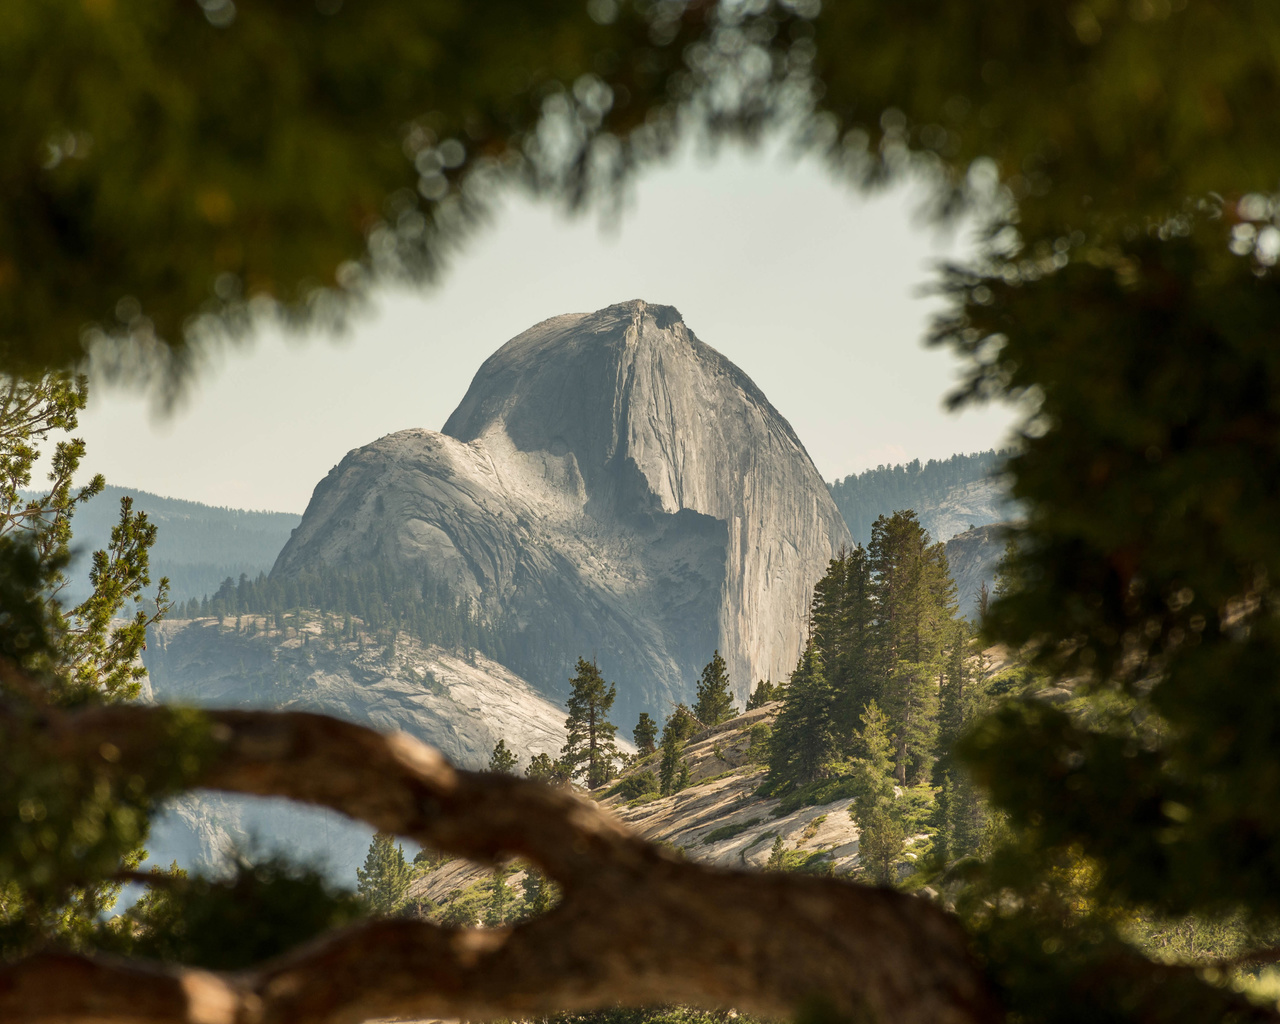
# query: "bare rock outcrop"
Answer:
x=609 y=486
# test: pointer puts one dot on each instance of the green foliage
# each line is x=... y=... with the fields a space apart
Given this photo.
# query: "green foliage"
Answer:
x=715 y=700
x=636 y=785
x=542 y=768
x=503 y=760
x=385 y=598
x=880 y=844
x=645 y=734
x=590 y=752
x=777 y=855
x=262 y=910
x=383 y=882
x=540 y=894
x=915 y=604
x=501 y=908
x=765 y=692
x=760 y=738
x=804 y=739
x=73 y=827
x=717 y=835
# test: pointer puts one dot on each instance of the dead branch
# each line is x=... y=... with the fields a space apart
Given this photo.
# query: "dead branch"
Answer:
x=636 y=924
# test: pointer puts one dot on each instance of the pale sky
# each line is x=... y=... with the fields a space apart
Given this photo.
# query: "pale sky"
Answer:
x=809 y=287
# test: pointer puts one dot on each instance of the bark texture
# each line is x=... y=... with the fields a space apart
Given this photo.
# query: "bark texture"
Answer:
x=636 y=924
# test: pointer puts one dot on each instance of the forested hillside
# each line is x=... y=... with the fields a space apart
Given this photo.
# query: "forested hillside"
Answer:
x=197 y=546
x=925 y=488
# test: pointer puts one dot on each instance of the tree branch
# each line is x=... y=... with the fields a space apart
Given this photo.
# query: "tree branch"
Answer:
x=636 y=924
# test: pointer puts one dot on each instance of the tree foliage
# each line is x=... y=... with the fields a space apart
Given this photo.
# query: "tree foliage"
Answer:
x=715 y=699
x=162 y=162
x=383 y=881
x=502 y=759
x=590 y=752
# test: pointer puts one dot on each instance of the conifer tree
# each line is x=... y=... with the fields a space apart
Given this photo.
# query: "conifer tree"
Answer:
x=881 y=837
x=777 y=855
x=383 y=882
x=540 y=893
x=645 y=734
x=766 y=692
x=590 y=751
x=715 y=701
x=503 y=760
x=915 y=601
x=804 y=739
x=500 y=906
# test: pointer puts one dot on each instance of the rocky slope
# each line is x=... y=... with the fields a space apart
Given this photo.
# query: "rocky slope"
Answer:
x=973 y=557
x=460 y=706
x=609 y=486
x=719 y=819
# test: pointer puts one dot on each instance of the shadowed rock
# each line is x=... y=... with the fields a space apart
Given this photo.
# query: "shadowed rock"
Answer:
x=609 y=486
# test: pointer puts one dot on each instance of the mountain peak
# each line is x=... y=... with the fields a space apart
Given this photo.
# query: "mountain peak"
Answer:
x=611 y=484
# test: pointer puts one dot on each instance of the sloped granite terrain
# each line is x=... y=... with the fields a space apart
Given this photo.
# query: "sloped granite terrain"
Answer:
x=610 y=486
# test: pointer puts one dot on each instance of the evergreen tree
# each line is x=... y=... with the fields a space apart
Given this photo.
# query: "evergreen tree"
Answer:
x=715 y=701
x=681 y=722
x=540 y=893
x=881 y=839
x=546 y=769
x=499 y=910
x=503 y=760
x=777 y=855
x=645 y=734
x=590 y=751
x=383 y=882
x=766 y=692
x=914 y=603
x=682 y=777
x=804 y=740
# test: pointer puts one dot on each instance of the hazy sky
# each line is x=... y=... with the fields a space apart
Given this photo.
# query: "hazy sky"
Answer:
x=812 y=289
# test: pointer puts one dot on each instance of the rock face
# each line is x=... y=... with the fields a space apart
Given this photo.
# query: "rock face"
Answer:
x=973 y=557
x=609 y=486
x=460 y=706
x=976 y=504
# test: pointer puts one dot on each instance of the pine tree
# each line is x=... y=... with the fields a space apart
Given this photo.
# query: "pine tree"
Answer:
x=383 y=882
x=914 y=603
x=500 y=907
x=590 y=751
x=766 y=692
x=804 y=740
x=503 y=760
x=715 y=701
x=881 y=837
x=777 y=855
x=645 y=734
x=540 y=893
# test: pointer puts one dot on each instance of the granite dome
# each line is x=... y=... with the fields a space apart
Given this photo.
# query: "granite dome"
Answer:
x=612 y=486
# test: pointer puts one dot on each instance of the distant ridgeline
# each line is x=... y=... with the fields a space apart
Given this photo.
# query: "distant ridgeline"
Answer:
x=197 y=546
x=862 y=497
x=384 y=599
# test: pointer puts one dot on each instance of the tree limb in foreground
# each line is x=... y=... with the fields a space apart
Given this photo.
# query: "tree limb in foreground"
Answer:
x=636 y=925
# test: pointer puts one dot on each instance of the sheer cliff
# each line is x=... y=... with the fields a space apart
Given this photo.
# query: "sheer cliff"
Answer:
x=609 y=486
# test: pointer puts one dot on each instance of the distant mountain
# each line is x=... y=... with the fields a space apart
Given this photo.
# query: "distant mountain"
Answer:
x=949 y=496
x=197 y=547
x=609 y=486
